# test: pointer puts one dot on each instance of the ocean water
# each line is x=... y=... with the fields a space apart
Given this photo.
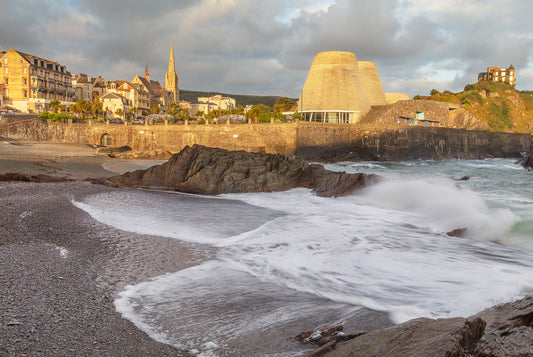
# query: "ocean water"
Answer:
x=291 y=260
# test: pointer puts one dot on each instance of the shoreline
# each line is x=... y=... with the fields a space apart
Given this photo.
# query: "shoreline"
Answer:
x=62 y=270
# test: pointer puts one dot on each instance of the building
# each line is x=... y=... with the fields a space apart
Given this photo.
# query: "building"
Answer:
x=171 y=79
x=495 y=74
x=158 y=95
x=137 y=95
x=88 y=88
x=334 y=90
x=341 y=89
x=222 y=103
x=31 y=82
x=116 y=105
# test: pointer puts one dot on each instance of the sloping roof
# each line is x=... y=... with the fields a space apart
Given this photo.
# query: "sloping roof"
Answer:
x=152 y=86
x=112 y=96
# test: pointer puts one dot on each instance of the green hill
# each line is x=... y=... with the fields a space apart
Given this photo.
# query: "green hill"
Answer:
x=240 y=99
x=501 y=106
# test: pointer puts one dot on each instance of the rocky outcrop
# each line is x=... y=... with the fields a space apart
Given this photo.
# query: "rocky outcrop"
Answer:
x=526 y=162
x=503 y=330
x=202 y=170
x=460 y=118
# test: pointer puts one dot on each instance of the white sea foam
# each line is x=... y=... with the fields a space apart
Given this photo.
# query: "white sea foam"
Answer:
x=383 y=248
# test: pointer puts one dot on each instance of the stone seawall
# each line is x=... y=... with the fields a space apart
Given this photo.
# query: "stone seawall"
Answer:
x=308 y=140
x=394 y=143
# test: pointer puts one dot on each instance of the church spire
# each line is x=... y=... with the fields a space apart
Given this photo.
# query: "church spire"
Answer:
x=147 y=73
x=171 y=77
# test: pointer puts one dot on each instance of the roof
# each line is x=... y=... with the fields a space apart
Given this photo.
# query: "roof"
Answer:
x=112 y=95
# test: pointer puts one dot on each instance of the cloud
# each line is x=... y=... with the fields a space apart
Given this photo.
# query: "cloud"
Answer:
x=266 y=47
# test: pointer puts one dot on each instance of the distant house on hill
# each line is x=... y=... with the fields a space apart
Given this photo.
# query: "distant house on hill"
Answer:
x=496 y=74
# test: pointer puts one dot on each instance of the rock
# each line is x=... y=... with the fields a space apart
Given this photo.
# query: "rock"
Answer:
x=464 y=178
x=112 y=150
x=420 y=337
x=509 y=330
x=459 y=232
x=526 y=162
x=10 y=176
x=212 y=171
x=500 y=331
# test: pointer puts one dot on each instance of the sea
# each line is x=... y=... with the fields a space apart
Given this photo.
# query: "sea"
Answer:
x=288 y=261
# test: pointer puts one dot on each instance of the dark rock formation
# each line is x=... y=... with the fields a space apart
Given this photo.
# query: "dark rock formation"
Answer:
x=202 y=170
x=10 y=176
x=113 y=150
x=503 y=330
x=527 y=162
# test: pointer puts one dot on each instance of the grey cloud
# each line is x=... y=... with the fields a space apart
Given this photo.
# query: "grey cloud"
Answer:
x=259 y=47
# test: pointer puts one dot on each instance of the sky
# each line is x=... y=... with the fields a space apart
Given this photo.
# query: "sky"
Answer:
x=263 y=47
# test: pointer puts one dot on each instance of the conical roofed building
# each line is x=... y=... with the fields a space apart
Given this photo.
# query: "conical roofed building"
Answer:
x=334 y=91
x=374 y=89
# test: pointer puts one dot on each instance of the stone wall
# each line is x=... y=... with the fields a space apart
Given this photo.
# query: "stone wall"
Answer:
x=433 y=111
x=392 y=142
x=309 y=140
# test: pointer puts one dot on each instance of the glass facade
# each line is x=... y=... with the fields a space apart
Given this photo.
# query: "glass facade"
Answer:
x=331 y=117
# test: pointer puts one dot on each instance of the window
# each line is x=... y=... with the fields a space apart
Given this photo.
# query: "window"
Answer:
x=25 y=93
x=5 y=60
x=24 y=70
x=24 y=81
x=6 y=70
x=6 y=81
x=20 y=61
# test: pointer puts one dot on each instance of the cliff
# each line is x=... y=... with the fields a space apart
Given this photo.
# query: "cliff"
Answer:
x=497 y=105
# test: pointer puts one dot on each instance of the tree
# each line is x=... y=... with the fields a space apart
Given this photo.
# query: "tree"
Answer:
x=258 y=111
x=131 y=113
x=434 y=92
x=173 y=110
x=199 y=114
x=81 y=107
x=120 y=112
x=284 y=104
x=155 y=108
x=96 y=107
x=55 y=105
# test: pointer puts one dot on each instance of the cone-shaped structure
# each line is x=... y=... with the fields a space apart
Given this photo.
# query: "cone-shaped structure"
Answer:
x=334 y=90
x=374 y=89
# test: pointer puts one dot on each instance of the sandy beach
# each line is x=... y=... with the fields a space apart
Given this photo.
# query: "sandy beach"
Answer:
x=61 y=270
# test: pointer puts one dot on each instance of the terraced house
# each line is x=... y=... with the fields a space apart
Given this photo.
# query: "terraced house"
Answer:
x=31 y=82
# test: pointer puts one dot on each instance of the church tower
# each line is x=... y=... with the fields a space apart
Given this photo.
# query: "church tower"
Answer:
x=171 y=78
x=147 y=73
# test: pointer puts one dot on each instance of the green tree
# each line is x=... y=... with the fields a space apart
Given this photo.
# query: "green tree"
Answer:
x=131 y=113
x=284 y=104
x=120 y=113
x=154 y=108
x=81 y=108
x=434 y=92
x=96 y=107
x=258 y=111
x=55 y=105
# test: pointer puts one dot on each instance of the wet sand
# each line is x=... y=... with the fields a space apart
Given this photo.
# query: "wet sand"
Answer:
x=76 y=161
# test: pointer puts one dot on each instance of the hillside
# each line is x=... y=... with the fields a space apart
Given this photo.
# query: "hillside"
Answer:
x=501 y=106
x=241 y=99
